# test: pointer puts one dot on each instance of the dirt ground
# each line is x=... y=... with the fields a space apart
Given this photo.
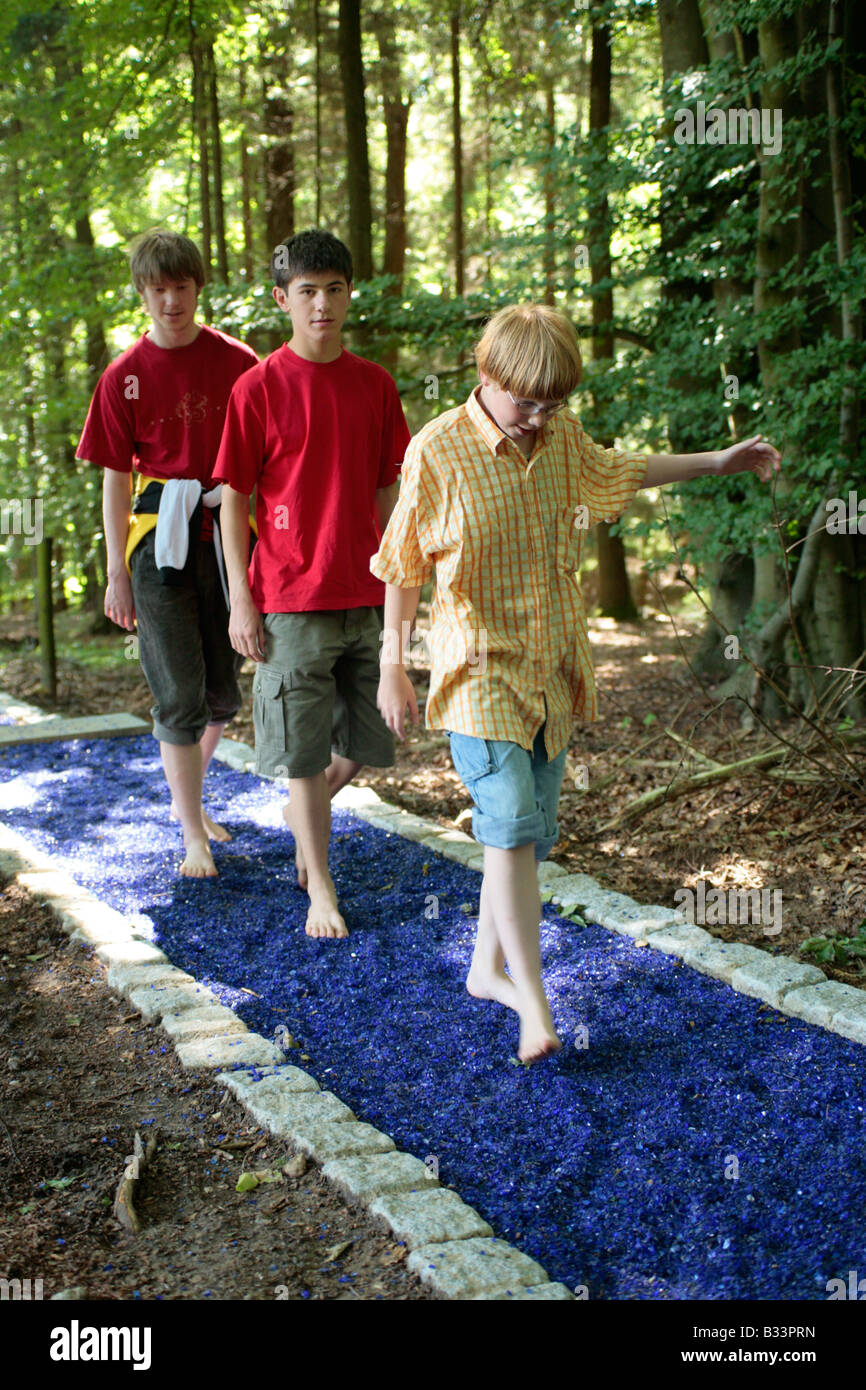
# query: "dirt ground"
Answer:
x=79 y=1074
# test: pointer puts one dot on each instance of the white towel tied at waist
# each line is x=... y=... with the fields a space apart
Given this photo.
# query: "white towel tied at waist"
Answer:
x=178 y=501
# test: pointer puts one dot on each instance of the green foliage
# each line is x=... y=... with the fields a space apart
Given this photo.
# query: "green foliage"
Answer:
x=97 y=130
x=836 y=950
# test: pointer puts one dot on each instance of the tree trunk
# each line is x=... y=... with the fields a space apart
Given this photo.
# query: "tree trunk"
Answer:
x=396 y=113
x=199 y=117
x=247 y=179
x=457 y=152
x=550 y=192
x=355 y=113
x=317 y=37
x=279 y=170
x=778 y=245
x=614 y=594
x=219 y=206
x=683 y=49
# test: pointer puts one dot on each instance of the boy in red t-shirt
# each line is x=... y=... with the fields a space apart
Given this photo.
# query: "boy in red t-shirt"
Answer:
x=159 y=408
x=320 y=434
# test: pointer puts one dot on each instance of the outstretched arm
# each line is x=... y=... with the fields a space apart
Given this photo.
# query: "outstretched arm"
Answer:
x=753 y=455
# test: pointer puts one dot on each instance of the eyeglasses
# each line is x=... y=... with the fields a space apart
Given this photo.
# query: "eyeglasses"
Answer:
x=533 y=407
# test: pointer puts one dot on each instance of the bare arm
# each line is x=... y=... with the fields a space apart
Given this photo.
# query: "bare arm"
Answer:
x=246 y=632
x=753 y=455
x=396 y=691
x=116 y=495
x=384 y=503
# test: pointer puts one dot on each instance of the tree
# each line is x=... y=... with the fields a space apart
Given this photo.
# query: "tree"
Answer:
x=355 y=115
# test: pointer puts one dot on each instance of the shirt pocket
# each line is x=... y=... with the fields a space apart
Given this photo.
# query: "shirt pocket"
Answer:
x=570 y=526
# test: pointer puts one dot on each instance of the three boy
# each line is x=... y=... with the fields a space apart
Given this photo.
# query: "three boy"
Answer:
x=159 y=409
x=495 y=498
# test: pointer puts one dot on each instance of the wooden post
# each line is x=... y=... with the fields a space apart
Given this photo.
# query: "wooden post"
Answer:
x=47 y=656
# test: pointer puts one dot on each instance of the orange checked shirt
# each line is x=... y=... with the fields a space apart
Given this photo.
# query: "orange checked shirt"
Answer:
x=502 y=535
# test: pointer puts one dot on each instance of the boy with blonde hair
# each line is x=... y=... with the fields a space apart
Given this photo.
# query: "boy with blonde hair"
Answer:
x=495 y=498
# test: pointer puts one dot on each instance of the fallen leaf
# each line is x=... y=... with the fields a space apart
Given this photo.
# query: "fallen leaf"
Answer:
x=335 y=1251
x=246 y=1182
x=265 y=1175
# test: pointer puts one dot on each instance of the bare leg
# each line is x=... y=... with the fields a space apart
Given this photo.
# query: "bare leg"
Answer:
x=487 y=978
x=338 y=774
x=308 y=816
x=183 y=771
x=208 y=742
x=513 y=910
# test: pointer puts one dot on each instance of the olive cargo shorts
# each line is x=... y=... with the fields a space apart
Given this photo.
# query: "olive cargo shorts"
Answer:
x=316 y=692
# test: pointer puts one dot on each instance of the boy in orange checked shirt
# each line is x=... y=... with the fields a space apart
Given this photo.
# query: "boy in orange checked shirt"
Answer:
x=494 y=501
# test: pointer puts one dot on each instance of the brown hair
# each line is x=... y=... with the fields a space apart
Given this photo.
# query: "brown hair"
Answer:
x=532 y=351
x=159 y=254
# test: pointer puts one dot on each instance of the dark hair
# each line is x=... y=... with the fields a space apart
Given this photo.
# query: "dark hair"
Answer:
x=159 y=253
x=310 y=253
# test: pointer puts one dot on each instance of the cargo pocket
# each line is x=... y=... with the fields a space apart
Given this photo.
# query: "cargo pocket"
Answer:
x=268 y=715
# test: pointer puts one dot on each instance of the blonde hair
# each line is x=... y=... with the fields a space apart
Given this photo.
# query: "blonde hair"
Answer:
x=159 y=254
x=532 y=351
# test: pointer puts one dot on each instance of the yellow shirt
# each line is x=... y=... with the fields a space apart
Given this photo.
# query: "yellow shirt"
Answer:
x=508 y=644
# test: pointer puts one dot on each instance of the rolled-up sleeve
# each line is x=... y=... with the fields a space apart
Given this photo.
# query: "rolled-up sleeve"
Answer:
x=609 y=478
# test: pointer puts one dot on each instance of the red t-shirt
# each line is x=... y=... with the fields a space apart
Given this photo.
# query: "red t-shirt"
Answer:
x=162 y=410
x=317 y=439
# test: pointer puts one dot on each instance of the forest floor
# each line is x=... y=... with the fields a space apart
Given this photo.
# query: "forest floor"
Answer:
x=81 y=1072
x=761 y=829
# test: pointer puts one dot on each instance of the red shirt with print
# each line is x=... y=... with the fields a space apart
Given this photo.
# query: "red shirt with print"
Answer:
x=162 y=410
x=317 y=439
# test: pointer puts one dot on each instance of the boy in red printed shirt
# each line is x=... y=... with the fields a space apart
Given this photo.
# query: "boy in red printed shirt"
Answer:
x=159 y=408
x=320 y=434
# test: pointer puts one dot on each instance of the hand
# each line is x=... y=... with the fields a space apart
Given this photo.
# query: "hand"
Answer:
x=119 y=606
x=396 y=691
x=246 y=629
x=753 y=455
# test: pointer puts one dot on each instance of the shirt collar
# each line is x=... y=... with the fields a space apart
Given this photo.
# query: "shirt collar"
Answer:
x=489 y=431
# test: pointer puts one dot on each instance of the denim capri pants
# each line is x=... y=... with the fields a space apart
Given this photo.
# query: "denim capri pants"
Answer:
x=515 y=793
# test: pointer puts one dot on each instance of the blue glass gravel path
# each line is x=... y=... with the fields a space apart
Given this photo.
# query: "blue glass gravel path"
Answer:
x=700 y=1147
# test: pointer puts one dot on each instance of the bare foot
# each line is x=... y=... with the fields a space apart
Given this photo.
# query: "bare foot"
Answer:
x=214 y=831
x=210 y=827
x=537 y=1034
x=300 y=863
x=198 y=861
x=323 y=918
x=492 y=985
